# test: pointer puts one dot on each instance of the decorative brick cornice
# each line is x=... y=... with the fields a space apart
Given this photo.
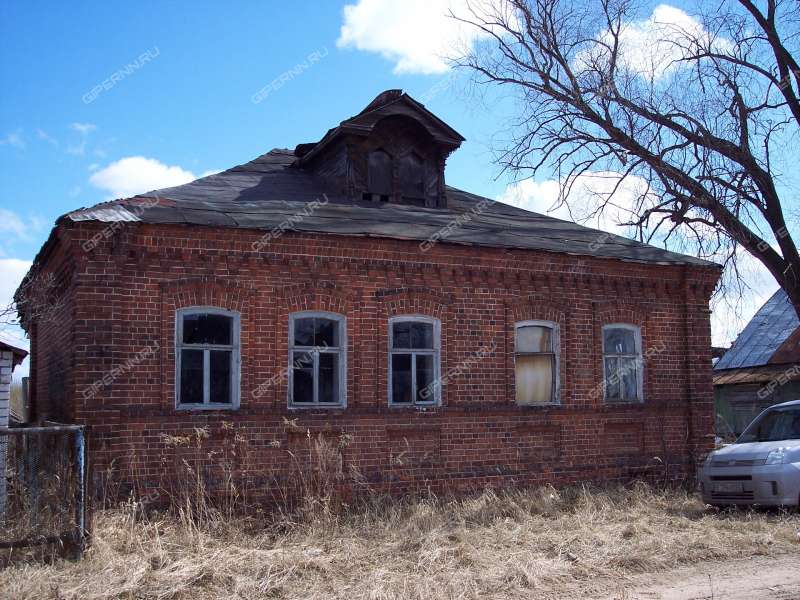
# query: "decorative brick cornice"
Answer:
x=420 y=292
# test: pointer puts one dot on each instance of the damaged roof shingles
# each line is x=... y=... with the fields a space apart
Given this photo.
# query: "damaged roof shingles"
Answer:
x=263 y=193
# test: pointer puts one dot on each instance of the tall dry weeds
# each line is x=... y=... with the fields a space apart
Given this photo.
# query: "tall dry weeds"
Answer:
x=496 y=544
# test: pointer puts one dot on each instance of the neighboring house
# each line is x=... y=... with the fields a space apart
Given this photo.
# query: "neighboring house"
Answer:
x=10 y=357
x=762 y=367
x=342 y=289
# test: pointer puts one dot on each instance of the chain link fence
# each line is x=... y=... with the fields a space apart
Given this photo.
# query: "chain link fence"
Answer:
x=43 y=495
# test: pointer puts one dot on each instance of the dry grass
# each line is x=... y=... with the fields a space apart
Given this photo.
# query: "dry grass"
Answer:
x=509 y=544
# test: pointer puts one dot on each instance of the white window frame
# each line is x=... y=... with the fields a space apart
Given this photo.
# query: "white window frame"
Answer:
x=637 y=340
x=556 y=337
x=436 y=352
x=341 y=350
x=236 y=366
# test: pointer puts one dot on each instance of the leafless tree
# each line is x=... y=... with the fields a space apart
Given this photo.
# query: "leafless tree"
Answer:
x=37 y=298
x=705 y=115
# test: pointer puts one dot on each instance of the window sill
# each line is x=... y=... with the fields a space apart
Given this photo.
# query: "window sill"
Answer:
x=201 y=407
x=637 y=403
x=417 y=407
x=316 y=406
x=541 y=406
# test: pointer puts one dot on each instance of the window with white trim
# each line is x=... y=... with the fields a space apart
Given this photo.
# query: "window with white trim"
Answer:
x=414 y=354
x=536 y=359
x=317 y=359
x=207 y=358
x=622 y=363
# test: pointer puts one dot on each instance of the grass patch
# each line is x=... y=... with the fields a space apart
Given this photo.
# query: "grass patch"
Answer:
x=498 y=544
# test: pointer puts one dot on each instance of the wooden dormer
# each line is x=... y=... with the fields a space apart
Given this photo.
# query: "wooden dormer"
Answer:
x=393 y=151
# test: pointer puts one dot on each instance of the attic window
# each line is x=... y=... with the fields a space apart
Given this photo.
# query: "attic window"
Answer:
x=379 y=165
x=412 y=176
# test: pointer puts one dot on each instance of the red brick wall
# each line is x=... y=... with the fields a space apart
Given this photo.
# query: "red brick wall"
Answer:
x=126 y=291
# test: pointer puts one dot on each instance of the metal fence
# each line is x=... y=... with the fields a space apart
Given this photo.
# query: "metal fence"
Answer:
x=43 y=495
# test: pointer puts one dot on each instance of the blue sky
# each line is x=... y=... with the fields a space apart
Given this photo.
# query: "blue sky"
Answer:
x=72 y=115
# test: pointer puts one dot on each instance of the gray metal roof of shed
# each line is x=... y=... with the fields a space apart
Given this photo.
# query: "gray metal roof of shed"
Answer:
x=767 y=330
x=263 y=193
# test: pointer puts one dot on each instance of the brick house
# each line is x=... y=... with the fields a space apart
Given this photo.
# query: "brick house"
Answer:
x=341 y=288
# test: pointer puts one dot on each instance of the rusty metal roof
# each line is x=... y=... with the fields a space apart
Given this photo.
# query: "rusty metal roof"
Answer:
x=263 y=193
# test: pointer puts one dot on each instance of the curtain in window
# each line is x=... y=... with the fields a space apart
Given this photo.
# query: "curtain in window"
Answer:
x=535 y=364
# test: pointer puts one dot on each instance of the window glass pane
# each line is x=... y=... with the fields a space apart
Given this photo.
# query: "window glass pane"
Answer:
x=328 y=377
x=425 y=378
x=612 y=381
x=534 y=338
x=617 y=340
x=191 y=377
x=326 y=333
x=401 y=378
x=412 y=334
x=401 y=334
x=379 y=173
x=534 y=379
x=304 y=331
x=220 y=376
x=316 y=332
x=422 y=335
x=207 y=329
x=628 y=377
x=302 y=377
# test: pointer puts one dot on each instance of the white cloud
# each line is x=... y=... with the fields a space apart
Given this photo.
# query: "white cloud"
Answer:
x=83 y=130
x=12 y=271
x=14 y=139
x=137 y=174
x=731 y=312
x=652 y=47
x=43 y=135
x=12 y=224
x=416 y=34
x=588 y=194
x=15 y=228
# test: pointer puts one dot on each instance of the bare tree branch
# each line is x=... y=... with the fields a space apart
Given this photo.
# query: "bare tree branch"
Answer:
x=703 y=122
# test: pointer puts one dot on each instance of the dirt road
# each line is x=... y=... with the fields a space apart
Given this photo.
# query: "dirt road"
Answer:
x=758 y=578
